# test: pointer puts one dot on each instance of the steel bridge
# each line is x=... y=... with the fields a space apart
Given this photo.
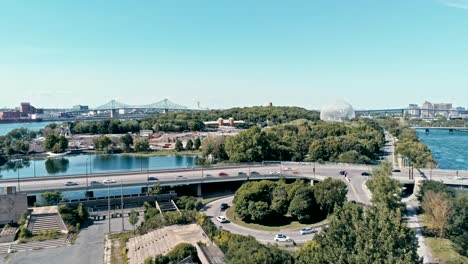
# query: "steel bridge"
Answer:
x=165 y=105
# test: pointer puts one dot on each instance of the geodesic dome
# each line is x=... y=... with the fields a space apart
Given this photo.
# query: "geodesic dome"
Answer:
x=338 y=111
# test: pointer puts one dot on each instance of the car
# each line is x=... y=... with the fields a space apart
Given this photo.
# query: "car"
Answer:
x=70 y=183
x=224 y=206
x=153 y=179
x=296 y=172
x=241 y=173
x=180 y=176
x=366 y=173
x=343 y=172
x=396 y=170
x=274 y=173
x=223 y=174
x=254 y=173
x=281 y=238
x=222 y=219
x=94 y=183
x=108 y=181
x=208 y=175
x=307 y=230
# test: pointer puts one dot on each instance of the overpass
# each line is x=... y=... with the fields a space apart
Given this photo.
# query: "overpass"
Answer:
x=241 y=172
x=450 y=129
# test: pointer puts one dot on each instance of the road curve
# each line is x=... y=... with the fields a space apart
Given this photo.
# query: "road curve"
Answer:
x=212 y=210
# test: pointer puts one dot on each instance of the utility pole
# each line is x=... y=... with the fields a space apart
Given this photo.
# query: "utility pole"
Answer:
x=109 y=208
x=122 y=205
x=34 y=165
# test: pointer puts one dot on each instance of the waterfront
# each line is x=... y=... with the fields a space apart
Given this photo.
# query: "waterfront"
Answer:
x=450 y=150
x=35 y=126
x=90 y=164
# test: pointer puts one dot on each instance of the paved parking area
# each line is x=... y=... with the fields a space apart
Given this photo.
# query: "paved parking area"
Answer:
x=88 y=248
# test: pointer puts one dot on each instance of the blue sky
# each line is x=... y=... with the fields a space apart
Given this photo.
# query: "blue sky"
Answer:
x=224 y=53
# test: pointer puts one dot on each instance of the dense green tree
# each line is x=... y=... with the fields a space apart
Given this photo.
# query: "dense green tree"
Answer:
x=197 y=143
x=330 y=193
x=241 y=251
x=434 y=186
x=457 y=228
x=303 y=206
x=50 y=142
x=141 y=144
x=102 y=143
x=385 y=190
x=51 y=198
x=127 y=141
x=189 y=145
x=178 y=145
x=354 y=235
x=214 y=147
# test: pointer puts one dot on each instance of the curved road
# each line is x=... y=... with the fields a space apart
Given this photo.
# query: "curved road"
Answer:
x=212 y=210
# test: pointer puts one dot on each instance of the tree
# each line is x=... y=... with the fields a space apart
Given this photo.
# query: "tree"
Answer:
x=385 y=190
x=127 y=141
x=102 y=143
x=141 y=144
x=330 y=193
x=457 y=228
x=434 y=186
x=303 y=206
x=179 y=146
x=197 y=143
x=438 y=207
x=133 y=218
x=354 y=235
x=214 y=147
x=50 y=142
x=189 y=145
x=51 y=198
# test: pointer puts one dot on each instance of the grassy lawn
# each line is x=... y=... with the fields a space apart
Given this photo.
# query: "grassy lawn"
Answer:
x=164 y=153
x=443 y=250
x=119 y=245
x=230 y=214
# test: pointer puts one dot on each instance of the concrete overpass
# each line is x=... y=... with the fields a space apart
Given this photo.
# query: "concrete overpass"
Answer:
x=242 y=172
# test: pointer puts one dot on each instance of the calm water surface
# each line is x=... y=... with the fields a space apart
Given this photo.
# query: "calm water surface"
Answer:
x=450 y=150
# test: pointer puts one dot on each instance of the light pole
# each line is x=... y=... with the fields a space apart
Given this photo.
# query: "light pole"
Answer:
x=109 y=208
x=122 y=204
x=86 y=174
x=34 y=166
x=18 y=169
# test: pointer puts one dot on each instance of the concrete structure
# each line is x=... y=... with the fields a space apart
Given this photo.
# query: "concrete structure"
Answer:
x=80 y=107
x=224 y=122
x=9 y=115
x=43 y=219
x=161 y=241
x=12 y=205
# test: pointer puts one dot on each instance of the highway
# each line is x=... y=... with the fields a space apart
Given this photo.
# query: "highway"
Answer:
x=197 y=175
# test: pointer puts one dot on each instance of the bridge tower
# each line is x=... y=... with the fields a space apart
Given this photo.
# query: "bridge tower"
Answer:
x=114 y=113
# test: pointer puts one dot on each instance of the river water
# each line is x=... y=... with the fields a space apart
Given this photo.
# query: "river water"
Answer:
x=450 y=150
x=36 y=126
x=83 y=164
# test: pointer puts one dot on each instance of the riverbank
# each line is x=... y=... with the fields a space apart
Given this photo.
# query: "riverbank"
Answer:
x=159 y=153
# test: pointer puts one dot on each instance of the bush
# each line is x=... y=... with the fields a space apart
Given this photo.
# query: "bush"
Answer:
x=180 y=252
x=189 y=203
x=24 y=233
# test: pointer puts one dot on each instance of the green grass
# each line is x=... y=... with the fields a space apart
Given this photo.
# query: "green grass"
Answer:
x=44 y=236
x=443 y=250
x=164 y=153
x=230 y=214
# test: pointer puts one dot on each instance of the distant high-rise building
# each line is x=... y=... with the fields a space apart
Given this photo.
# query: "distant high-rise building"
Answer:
x=80 y=107
x=427 y=109
x=414 y=110
x=27 y=109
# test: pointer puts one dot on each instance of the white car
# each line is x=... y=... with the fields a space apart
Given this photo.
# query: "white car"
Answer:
x=307 y=230
x=108 y=181
x=274 y=173
x=221 y=219
x=282 y=238
x=70 y=183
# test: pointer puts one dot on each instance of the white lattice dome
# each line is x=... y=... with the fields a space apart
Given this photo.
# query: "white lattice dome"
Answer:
x=338 y=111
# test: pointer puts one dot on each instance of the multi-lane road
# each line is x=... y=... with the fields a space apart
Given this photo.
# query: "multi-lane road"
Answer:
x=218 y=174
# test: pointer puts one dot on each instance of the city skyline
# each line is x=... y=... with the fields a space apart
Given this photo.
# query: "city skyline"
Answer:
x=373 y=55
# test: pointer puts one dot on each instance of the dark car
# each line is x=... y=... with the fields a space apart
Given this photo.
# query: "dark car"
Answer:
x=153 y=179
x=254 y=173
x=224 y=206
x=94 y=183
x=366 y=173
x=342 y=172
x=396 y=170
x=223 y=174
x=242 y=173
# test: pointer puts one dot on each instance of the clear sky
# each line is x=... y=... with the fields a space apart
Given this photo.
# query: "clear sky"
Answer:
x=224 y=53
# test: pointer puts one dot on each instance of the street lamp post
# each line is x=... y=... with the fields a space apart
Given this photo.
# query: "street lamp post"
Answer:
x=18 y=169
x=34 y=166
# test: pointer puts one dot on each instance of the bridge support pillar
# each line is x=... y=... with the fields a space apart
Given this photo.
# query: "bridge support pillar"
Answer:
x=114 y=113
x=450 y=131
x=427 y=130
x=199 y=190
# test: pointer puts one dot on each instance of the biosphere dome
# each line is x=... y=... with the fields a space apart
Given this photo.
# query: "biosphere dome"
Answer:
x=338 y=111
